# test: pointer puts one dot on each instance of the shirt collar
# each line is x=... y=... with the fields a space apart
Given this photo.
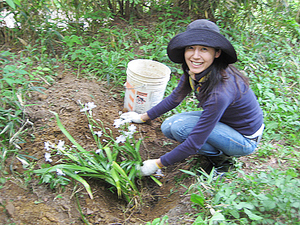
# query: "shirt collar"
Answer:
x=198 y=76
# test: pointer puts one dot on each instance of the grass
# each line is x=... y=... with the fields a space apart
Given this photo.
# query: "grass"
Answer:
x=268 y=52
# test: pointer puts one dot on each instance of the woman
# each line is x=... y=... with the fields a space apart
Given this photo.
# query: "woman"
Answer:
x=231 y=123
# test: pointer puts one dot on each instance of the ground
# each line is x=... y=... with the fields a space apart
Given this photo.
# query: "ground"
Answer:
x=33 y=203
x=28 y=202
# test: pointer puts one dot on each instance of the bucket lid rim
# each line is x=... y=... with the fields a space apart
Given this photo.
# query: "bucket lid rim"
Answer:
x=147 y=60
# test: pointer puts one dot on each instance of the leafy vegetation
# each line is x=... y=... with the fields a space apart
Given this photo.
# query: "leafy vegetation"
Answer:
x=263 y=198
x=266 y=37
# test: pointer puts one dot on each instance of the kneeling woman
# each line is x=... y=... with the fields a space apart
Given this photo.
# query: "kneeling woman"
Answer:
x=231 y=122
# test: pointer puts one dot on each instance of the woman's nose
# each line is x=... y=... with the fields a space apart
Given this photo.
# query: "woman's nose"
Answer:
x=197 y=54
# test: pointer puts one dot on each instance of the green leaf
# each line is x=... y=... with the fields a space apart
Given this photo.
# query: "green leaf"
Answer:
x=108 y=153
x=269 y=204
x=2 y=180
x=38 y=202
x=156 y=221
x=164 y=220
x=47 y=178
x=242 y=205
x=67 y=167
x=217 y=217
x=68 y=170
x=295 y=204
x=156 y=181
x=199 y=221
x=234 y=213
x=17 y=2
x=11 y=3
x=188 y=172
x=117 y=167
x=198 y=199
x=116 y=179
x=252 y=216
x=81 y=180
x=66 y=133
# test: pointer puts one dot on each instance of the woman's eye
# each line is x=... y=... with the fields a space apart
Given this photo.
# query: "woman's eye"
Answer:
x=204 y=49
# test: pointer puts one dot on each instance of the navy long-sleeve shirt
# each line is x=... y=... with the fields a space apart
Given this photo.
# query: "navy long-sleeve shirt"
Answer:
x=232 y=104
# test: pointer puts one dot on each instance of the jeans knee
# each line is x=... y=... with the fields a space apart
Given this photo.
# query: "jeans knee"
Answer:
x=166 y=129
x=179 y=132
x=165 y=125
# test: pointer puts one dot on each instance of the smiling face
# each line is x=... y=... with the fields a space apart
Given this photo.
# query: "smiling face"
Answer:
x=198 y=58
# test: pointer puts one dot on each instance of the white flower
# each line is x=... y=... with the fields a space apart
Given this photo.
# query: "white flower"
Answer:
x=47 y=145
x=48 y=157
x=121 y=139
x=91 y=105
x=118 y=123
x=98 y=151
x=60 y=172
x=127 y=134
x=60 y=145
x=88 y=106
x=98 y=133
x=132 y=128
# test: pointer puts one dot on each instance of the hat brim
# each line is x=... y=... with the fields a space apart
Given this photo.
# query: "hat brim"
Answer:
x=204 y=37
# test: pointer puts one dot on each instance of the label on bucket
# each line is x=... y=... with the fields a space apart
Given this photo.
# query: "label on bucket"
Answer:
x=141 y=100
x=136 y=100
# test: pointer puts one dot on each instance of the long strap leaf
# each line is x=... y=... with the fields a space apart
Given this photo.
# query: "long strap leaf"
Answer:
x=67 y=167
x=69 y=170
x=81 y=180
x=117 y=167
x=68 y=135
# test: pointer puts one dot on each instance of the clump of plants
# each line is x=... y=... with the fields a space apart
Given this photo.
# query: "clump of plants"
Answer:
x=115 y=161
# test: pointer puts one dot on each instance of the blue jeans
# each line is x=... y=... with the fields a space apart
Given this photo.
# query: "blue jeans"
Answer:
x=222 y=140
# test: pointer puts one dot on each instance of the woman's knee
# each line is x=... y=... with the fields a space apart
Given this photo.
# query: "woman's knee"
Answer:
x=175 y=130
x=166 y=126
x=179 y=126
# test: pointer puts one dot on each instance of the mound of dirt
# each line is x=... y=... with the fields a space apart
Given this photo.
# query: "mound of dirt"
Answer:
x=32 y=203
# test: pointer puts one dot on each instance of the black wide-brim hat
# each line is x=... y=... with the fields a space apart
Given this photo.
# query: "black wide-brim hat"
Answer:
x=201 y=32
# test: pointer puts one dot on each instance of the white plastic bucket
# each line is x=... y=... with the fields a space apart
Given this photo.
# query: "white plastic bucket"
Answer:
x=145 y=84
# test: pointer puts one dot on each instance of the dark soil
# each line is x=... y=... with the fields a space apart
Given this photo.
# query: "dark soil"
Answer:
x=29 y=202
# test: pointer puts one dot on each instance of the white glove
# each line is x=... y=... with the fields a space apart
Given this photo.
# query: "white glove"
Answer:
x=149 y=167
x=132 y=117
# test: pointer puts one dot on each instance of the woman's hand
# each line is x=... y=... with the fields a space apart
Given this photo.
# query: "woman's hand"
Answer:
x=135 y=117
x=150 y=167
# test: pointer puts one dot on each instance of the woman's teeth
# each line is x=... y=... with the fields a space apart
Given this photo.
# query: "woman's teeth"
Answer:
x=196 y=64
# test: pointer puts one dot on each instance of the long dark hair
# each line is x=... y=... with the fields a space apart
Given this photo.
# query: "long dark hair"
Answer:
x=218 y=74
